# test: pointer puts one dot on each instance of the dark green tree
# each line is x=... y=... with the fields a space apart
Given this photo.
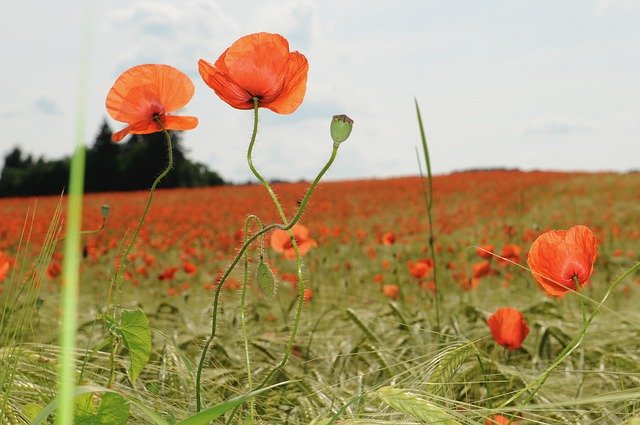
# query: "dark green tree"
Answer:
x=102 y=171
x=132 y=165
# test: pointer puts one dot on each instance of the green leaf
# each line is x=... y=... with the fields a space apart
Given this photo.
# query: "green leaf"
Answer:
x=207 y=415
x=51 y=407
x=136 y=337
x=113 y=409
x=265 y=279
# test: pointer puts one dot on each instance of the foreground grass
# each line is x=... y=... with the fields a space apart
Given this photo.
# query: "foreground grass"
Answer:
x=359 y=357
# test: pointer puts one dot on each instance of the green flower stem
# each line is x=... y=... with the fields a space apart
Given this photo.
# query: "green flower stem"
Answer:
x=216 y=296
x=243 y=318
x=573 y=344
x=86 y=232
x=116 y=280
x=301 y=285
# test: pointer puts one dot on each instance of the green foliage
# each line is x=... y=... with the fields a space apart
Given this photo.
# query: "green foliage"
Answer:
x=135 y=332
x=132 y=165
x=112 y=410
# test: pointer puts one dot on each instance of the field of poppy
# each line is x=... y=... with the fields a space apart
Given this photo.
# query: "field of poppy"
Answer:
x=368 y=348
x=476 y=297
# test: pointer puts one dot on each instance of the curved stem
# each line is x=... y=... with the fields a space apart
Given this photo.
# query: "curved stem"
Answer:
x=86 y=232
x=243 y=318
x=115 y=282
x=234 y=262
x=114 y=285
x=301 y=284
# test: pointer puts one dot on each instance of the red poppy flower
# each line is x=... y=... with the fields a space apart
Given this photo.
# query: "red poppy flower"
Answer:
x=189 y=267
x=508 y=327
x=5 y=265
x=481 y=269
x=510 y=253
x=421 y=268
x=145 y=93
x=485 y=251
x=259 y=66
x=388 y=239
x=562 y=259
x=54 y=269
x=281 y=241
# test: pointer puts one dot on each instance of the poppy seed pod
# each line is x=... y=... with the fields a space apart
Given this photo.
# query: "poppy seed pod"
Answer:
x=341 y=126
x=104 y=210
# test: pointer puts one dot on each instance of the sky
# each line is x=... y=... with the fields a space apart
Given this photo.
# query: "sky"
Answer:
x=551 y=85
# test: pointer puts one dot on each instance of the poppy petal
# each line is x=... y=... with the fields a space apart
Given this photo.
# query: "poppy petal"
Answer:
x=226 y=89
x=174 y=87
x=258 y=63
x=296 y=85
x=173 y=122
x=140 y=127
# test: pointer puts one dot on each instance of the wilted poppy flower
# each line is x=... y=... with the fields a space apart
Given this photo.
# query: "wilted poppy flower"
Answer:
x=258 y=66
x=281 y=241
x=146 y=93
x=508 y=327
x=562 y=259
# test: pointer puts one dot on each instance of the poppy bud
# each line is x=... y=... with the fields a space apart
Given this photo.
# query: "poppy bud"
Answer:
x=341 y=126
x=104 y=210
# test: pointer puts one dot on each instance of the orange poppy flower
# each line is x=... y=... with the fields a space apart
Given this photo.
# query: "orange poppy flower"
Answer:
x=259 y=66
x=508 y=327
x=499 y=420
x=391 y=291
x=562 y=259
x=281 y=241
x=145 y=93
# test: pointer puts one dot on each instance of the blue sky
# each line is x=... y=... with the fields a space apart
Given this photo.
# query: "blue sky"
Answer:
x=529 y=84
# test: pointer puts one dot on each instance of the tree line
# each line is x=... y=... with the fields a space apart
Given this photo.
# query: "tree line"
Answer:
x=109 y=167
